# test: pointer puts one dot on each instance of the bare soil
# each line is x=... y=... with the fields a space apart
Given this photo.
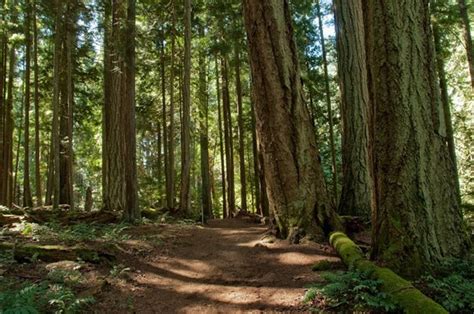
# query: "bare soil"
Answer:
x=228 y=266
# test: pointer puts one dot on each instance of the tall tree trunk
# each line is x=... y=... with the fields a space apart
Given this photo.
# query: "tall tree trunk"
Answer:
x=417 y=219
x=7 y=178
x=54 y=170
x=120 y=190
x=240 y=118
x=185 y=195
x=27 y=199
x=39 y=200
x=328 y=103
x=204 y=135
x=164 y=113
x=295 y=183
x=256 y=168
x=445 y=97
x=463 y=11
x=228 y=137
x=357 y=188
x=225 y=209
x=66 y=194
x=170 y=187
x=3 y=73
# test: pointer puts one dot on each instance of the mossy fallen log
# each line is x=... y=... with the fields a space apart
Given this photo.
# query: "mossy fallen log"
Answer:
x=29 y=252
x=410 y=299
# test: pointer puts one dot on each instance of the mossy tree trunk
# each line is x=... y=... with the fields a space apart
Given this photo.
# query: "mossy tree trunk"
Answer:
x=357 y=187
x=295 y=184
x=417 y=219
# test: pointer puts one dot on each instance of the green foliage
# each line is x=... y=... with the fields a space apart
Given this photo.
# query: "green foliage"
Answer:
x=351 y=290
x=119 y=271
x=66 y=277
x=451 y=284
x=76 y=233
x=38 y=298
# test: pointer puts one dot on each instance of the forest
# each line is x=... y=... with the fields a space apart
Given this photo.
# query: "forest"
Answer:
x=236 y=156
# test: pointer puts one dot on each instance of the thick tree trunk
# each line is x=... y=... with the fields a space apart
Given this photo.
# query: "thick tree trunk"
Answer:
x=466 y=24
x=225 y=209
x=295 y=183
x=357 y=188
x=240 y=118
x=120 y=188
x=417 y=218
x=228 y=137
x=185 y=193
x=328 y=103
x=27 y=199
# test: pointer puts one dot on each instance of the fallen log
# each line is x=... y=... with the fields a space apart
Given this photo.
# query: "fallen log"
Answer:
x=71 y=217
x=410 y=299
x=24 y=253
x=6 y=220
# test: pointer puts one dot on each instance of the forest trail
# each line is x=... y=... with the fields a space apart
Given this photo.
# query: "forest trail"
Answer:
x=224 y=267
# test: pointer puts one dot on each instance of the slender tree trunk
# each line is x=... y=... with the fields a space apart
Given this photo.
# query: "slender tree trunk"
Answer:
x=39 y=200
x=357 y=187
x=445 y=98
x=295 y=182
x=27 y=199
x=185 y=196
x=228 y=137
x=463 y=11
x=328 y=103
x=3 y=61
x=170 y=184
x=225 y=209
x=120 y=190
x=240 y=117
x=256 y=168
x=204 y=136
x=164 y=113
x=7 y=156
x=417 y=219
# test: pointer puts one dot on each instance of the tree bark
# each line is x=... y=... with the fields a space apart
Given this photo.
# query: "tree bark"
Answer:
x=417 y=219
x=204 y=135
x=357 y=188
x=225 y=209
x=295 y=183
x=164 y=113
x=170 y=187
x=39 y=194
x=240 y=118
x=120 y=188
x=228 y=137
x=185 y=195
x=27 y=199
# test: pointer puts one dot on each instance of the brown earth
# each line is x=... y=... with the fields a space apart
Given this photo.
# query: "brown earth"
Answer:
x=225 y=267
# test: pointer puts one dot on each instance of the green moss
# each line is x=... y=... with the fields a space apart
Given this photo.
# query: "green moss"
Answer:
x=402 y=291
x=323 y=265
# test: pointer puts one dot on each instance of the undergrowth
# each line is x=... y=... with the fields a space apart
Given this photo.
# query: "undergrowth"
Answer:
x=349 y=291
x=75 y=233
x=44 y=297
x=451 y=284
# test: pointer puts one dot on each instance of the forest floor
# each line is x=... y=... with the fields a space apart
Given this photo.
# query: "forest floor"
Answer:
x=223 y=267
x=226 y=266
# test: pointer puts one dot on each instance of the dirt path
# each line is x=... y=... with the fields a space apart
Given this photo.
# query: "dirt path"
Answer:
x=224 y=267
